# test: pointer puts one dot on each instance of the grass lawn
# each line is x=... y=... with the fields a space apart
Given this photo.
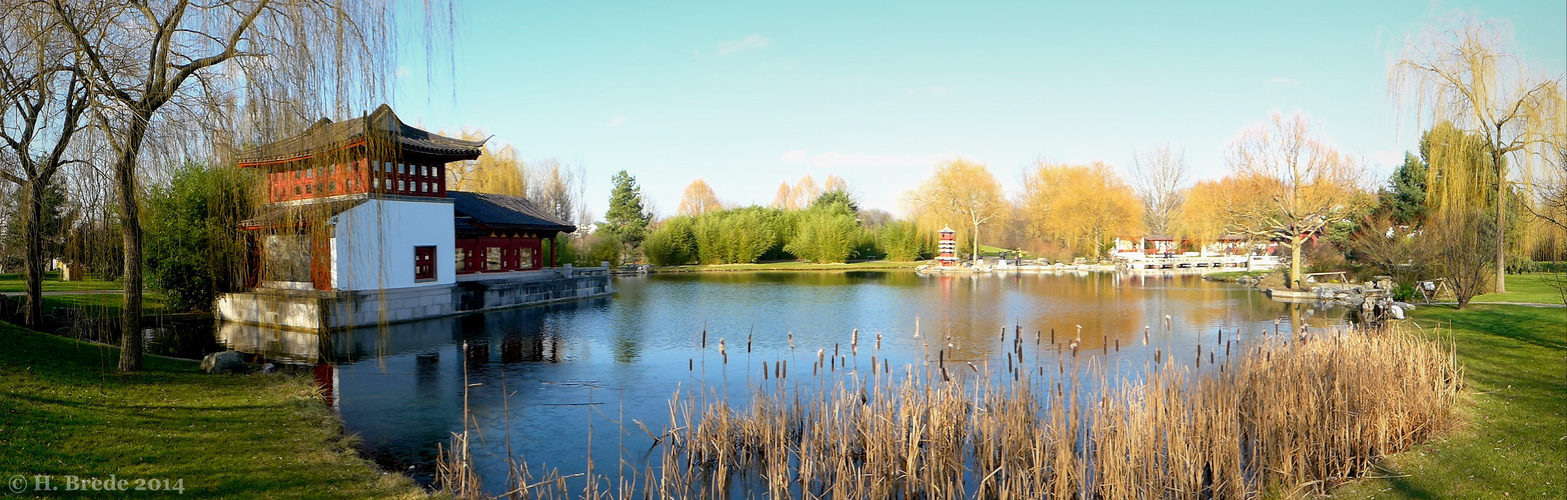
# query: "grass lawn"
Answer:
x=65 y=411
x=104 y=305
x=18 y=283
x=1514 y=440
x=990 y=251
x=1525 y=288
x=1234 y=275
x=793 y=266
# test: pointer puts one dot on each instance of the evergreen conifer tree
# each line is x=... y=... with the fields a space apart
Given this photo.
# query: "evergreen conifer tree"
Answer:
x=626 y=219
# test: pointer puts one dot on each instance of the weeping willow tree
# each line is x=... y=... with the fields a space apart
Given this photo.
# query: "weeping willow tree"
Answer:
x=172 y=79
x=960 y=191
x=43 y=97
x=1460 y=71
x=496 y=171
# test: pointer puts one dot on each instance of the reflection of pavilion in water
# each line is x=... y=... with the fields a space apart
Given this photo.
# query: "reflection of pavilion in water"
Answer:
x=520 y=336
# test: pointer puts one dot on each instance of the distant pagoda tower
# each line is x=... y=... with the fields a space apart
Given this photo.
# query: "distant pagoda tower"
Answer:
x=947 y=248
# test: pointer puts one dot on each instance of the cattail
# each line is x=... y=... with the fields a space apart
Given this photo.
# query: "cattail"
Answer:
x=785 y=364
x=764 y=370
x=1074 y=348
x=1003 y=333
x=916 y=327
x=791 y=341
x=854 y=339
x=704 y=335
x=878 y=341
x=1166 y=322
x=1145 y=334
x=835 y=349
x=1079 y=334
x=748 y=338
x=1052 y=335
x=721 y=351
x=1210 y=357
x=972 y=367
x=1157 y=356
x=1117 y=345
x=690 y=364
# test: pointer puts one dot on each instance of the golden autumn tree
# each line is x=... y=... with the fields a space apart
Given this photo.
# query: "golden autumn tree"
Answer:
x=784 y=200
x=1460 y=71
x=835 y=183
x=1203 y=214
x=959 y=190
x=699 y=199
x=1081 y=206
x=805 y=191
x=494 y=172
x=1296 y=184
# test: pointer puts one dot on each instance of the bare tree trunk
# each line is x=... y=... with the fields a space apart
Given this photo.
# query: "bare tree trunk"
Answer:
x=1501 y=230
x=1294 y=277
x=130 y=225
x=32 y=217
x=976 y=241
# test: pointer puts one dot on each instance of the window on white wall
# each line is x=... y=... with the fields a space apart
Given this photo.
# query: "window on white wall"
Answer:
x=424 y=263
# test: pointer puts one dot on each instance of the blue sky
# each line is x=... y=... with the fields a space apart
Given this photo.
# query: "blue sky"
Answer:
x=747 y=95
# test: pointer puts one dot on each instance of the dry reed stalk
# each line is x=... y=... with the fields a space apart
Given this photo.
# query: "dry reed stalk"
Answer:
x=1303 y=415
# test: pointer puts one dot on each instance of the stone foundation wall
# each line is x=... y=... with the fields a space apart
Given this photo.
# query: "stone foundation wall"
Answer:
x=309 y=310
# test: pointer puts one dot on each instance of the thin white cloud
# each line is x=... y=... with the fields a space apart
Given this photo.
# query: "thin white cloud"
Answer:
x=1388 y=158
x=1279 y=80
x=796 y=156
x=732 y=47
x=616 y=122
x=933 y=90
x=868 y=160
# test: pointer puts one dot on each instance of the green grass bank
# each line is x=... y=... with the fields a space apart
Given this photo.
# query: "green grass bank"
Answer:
x=13 y=282
x=1532 y=287
x=1513 y=443
x=64 y=410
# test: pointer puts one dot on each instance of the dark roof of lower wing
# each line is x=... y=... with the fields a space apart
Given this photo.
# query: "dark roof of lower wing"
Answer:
x=495 y=211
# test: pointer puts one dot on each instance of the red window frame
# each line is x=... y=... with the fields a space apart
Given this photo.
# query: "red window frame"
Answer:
x=424 y=263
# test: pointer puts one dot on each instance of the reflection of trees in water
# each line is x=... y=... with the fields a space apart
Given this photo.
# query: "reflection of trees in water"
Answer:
x=811 y=278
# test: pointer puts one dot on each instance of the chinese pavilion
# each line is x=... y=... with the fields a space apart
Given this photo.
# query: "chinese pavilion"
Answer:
x=363 y=204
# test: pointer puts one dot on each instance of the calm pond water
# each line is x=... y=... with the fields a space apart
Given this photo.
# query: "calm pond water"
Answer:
x=570 y=372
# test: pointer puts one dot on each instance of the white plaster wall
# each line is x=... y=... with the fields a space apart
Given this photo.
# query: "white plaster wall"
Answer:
x=373 y=244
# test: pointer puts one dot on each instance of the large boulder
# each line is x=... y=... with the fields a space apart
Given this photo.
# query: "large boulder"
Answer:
x=224 y=362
